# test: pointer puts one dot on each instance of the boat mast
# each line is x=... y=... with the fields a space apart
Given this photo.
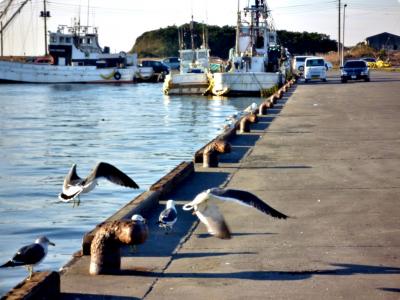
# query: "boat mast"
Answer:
x=237 y=30
x=45 y=14
x=192 y=40
x=1 y=36
x=3 y=27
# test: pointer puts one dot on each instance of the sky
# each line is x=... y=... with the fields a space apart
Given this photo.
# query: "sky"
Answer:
x=120 y=22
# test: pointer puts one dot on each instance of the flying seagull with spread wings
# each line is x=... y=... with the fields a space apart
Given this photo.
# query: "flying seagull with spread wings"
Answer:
x=30 y=255
x=209 y=214
x=74 y=185
x=168 y=216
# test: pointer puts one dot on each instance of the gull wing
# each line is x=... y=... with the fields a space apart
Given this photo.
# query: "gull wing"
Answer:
x=72 y=177
x=247 y=199
x=72 y=185
x=168 y=215
x=210 y=216
x=112 y=174
x=27 y=255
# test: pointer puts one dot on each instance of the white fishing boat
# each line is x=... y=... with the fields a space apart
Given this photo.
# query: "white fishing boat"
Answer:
x=255 y=63
x=194 y=76
x=74 y=56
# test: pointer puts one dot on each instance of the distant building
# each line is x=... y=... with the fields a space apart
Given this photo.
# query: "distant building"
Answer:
x=385 y=40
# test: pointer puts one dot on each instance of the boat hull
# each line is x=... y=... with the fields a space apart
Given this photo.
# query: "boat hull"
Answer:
x=186 y=84
x=45 y=73
x=244 y=83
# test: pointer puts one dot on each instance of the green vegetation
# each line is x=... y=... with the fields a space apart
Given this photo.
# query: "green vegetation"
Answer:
x=306 y=42
x=164 y=41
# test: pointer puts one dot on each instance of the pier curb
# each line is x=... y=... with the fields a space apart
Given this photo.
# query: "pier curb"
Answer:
x=42 y=285
x=144 y=202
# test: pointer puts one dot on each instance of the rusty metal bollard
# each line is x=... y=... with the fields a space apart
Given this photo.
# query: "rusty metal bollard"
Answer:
x=263 y=109
x=210 y=154
x=279 y=94
x=273 y=99
x=245 y=122
x=105 y=248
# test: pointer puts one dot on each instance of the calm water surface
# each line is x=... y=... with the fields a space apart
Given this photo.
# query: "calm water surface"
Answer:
x=46 y=128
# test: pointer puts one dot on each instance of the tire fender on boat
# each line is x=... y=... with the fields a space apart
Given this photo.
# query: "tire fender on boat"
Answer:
x=117 y=75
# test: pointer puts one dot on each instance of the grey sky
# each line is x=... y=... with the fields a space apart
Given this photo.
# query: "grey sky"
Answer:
x=121 y=21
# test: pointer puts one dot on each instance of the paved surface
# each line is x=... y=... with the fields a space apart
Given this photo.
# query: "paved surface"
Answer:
x=329 y=156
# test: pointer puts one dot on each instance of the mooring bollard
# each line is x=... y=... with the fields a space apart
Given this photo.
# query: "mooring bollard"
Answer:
x=210 y=153
x=245 y=122
x=263 y=109
x=273 y=99
x=105 y=248
x=279 y=94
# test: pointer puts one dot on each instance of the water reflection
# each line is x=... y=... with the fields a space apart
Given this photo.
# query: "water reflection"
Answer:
x=46 y=128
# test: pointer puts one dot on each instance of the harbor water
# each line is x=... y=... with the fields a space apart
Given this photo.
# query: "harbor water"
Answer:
x=44 y=129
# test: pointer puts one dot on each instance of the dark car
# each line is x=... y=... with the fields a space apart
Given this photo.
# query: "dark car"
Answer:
x=172 y=62
x=368 y=59
x=158 y=66
x=354 y=70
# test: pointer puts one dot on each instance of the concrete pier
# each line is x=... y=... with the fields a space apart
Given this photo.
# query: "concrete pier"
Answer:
x=328 y=155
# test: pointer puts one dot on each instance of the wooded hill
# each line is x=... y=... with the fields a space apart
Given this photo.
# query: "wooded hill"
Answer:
x=164 y=41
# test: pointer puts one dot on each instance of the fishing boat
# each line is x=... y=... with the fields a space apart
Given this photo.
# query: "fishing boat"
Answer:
x=73 y=55
x=256 y=63
x=194 y=76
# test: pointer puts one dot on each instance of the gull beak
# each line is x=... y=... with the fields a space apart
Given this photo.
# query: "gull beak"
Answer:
x=51 y=243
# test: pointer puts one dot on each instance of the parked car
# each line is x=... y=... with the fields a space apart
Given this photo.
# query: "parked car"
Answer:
x=298 y=64
x=314 y=68
x=370 y=61
x=172 y=62
x=158 y=66
x=355 y=70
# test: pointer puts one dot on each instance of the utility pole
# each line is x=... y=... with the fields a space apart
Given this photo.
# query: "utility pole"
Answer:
x=338 y=46
x=344 y=21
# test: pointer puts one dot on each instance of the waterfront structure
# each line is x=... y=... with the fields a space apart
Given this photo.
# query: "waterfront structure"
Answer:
x=256 y=64
x=194 y=76
x=74 y=56
x=384 y=40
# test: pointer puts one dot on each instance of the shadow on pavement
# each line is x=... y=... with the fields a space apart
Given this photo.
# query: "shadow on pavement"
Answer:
x=94 y=297
x=341 y=270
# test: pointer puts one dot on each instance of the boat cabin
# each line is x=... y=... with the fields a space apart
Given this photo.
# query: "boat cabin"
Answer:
x=194 y=61
x=79 y=46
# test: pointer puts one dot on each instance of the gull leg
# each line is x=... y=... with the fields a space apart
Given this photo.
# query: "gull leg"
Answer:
x=76 y=202
x=30 y=272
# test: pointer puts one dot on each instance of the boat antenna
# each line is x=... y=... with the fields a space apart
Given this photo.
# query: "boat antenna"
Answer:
x=88 y=13
x=45 y=14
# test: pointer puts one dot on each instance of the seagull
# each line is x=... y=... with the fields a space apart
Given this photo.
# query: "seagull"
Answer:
x=251 y=107
x=74 y=185
x=209 y=214
x=168 y=216
x=30 y=255
x=140 y=220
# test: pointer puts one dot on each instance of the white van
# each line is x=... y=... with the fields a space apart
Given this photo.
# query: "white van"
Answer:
x=298 y=64
x=314 y=68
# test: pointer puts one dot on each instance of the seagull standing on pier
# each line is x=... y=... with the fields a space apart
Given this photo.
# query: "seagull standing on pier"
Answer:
x=74 y=185
x=30 y=255
x=168 y=216
x=209 y=214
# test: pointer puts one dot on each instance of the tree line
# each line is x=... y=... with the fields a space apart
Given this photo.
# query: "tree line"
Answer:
x=164 y=42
